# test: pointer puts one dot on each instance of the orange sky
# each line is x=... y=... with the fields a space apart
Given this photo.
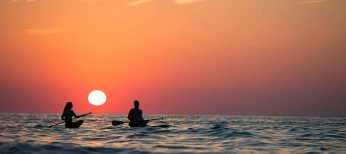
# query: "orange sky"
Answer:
x=247 y=57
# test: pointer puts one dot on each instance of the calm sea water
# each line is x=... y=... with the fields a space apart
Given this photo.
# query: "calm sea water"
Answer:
x=25 y=133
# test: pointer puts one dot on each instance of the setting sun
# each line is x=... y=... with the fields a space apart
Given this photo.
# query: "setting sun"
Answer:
x=97 y=97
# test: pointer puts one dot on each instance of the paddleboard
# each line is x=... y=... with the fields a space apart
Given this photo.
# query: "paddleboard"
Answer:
x=116 y=123
x=161 y=126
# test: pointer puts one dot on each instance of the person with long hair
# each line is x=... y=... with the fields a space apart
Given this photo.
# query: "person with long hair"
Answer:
x=67 y=116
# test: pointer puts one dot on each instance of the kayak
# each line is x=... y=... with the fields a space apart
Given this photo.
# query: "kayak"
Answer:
x=76 y=124
x=142 y=124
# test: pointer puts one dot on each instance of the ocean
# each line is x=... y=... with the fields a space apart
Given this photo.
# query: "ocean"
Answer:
x=27 y=133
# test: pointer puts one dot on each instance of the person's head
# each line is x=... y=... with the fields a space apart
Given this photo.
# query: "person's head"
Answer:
x=136 y=103
x=68 y=106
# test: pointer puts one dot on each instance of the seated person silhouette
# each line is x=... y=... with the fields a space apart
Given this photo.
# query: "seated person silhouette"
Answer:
x=67 y=116
x=135 y=116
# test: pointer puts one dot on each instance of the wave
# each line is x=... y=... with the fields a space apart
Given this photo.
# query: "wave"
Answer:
x=187 y=134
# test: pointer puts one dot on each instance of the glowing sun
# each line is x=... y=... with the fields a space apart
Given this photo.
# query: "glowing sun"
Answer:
x=97 y=97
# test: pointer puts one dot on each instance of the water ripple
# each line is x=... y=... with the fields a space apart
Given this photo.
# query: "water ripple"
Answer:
x=27 y=133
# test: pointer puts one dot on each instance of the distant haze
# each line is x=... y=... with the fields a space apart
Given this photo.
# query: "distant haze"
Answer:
x=235 y=57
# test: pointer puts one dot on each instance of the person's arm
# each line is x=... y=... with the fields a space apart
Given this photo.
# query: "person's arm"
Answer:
x=63 y=116
x=129 y=116
x=74 y=114
x=141 y=115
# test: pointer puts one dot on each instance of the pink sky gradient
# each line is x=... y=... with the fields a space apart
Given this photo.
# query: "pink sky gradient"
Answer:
x=234 y=57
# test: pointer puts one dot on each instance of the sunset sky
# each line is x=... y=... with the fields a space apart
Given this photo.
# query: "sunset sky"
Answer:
x=234 y=57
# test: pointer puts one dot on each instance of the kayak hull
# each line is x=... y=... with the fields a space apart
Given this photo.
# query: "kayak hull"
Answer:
x=143 y=124
x=116 y=123
x=76 y=124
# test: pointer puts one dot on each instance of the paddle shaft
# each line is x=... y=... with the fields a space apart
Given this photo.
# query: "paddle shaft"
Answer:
x=73 y=118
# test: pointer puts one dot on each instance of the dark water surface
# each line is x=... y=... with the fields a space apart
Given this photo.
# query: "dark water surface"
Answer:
x=25 y=133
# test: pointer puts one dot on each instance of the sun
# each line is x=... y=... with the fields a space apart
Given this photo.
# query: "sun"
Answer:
x=97 y=97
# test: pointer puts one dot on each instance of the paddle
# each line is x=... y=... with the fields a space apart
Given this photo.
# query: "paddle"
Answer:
x=116 y=122
x=64 y=121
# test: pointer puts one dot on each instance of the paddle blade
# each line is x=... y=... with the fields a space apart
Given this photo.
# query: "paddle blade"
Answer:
x=116 y=122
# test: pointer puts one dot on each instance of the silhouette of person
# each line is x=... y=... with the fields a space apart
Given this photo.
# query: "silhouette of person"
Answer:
x=136 y=116
x=67 y=116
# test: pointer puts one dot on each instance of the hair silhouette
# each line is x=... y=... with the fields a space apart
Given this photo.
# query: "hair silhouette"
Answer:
x=68 y=106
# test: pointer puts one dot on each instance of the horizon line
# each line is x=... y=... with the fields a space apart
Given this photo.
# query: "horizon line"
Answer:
x=193 y=114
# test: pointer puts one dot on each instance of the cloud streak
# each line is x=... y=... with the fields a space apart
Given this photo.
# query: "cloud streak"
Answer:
x=24 y=0
x=307 y=2
x=139 y=2
x=179 y=2
x=89 y=1
x=186 y=1
x=84 y=1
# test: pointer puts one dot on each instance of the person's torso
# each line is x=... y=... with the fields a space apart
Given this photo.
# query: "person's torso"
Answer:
x=136 y=114
x=68 y=116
